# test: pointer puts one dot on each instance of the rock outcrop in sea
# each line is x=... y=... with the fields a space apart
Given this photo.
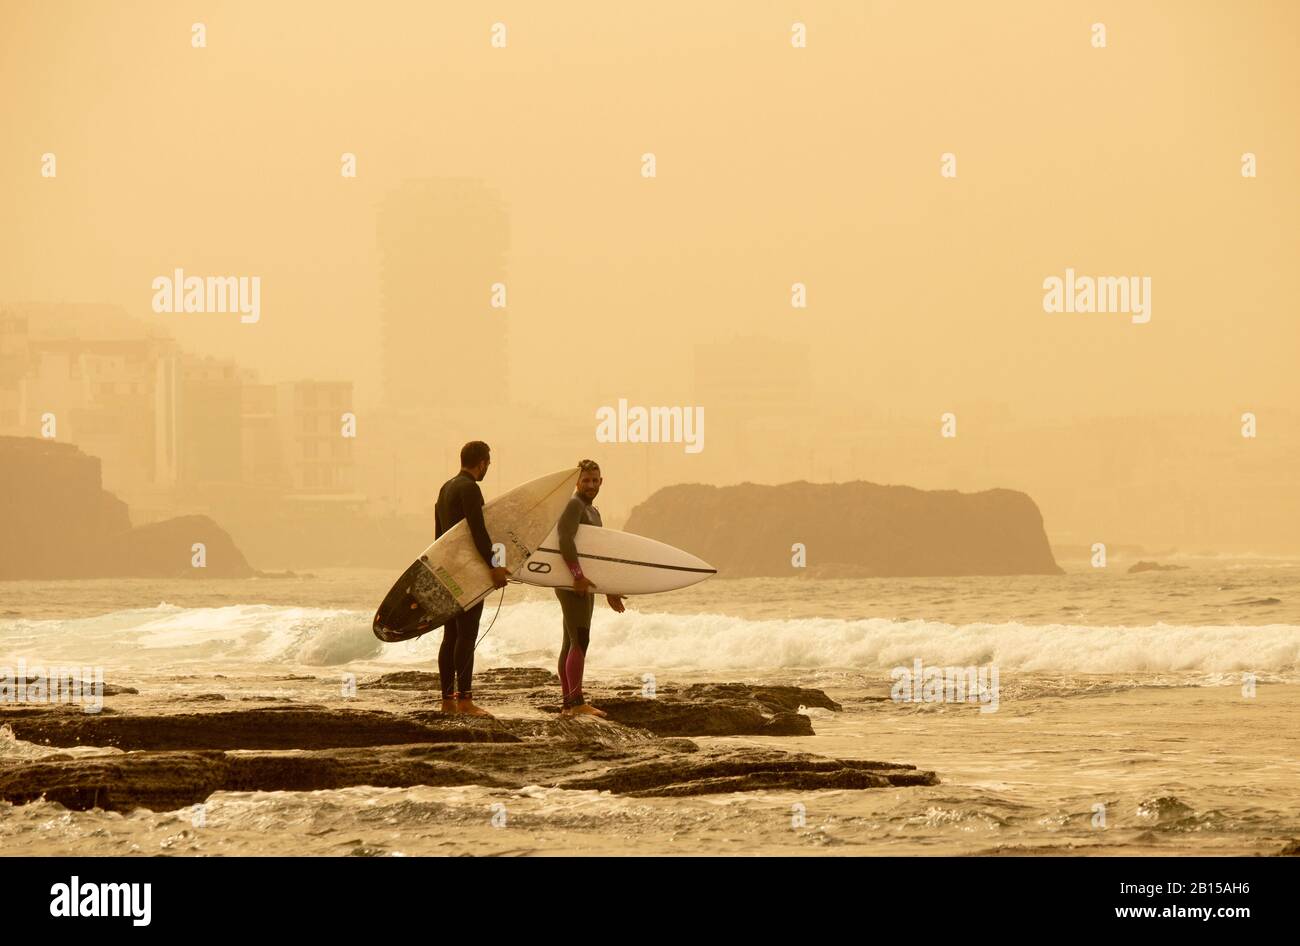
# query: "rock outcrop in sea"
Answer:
x=1154 y=567
x=166 y=751
x=59 y=522
x=850 y=530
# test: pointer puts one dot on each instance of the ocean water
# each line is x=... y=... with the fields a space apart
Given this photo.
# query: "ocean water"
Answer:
x=1148 y=713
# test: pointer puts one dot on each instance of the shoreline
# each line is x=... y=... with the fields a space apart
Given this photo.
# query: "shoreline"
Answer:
x=165 y=752
x=248 y=764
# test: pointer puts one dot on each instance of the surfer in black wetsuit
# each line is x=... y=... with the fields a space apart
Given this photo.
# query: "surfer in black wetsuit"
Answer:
x=460 y=498
x=578 y=604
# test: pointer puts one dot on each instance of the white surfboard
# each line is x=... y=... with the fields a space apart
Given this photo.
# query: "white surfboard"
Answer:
x=451 y=576
x=619 y=563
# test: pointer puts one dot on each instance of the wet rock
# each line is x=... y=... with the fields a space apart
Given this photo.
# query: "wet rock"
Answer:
x=1154 y=567
x=165 y=781
x=515 y=678
x=790 y=699
x=75 y=685
x=740 y=770
x=158 y=781
x=508 y=678
x=272 y=727
x=714 y=709
x=393 y=735
x=670 y=716
x=704 y=709
x=583 y=759
x=404 y=680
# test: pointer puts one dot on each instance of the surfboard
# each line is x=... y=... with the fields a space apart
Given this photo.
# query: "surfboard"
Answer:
x=450 y=576
x=619 y=563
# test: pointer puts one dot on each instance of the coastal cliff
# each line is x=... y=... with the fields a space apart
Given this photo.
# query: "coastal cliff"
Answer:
x=59 y=522
x=850 y=530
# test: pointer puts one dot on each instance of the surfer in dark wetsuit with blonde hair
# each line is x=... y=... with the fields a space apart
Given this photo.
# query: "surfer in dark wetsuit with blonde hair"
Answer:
x=579 y=603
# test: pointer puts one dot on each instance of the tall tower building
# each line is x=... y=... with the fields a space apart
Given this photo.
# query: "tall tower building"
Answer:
x=443 y=243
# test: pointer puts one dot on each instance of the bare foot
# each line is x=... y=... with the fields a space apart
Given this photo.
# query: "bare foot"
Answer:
x=586 y=709
x=449 y=705
x=468 y=708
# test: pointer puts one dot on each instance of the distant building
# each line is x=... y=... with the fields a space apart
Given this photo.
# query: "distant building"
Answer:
x=209 y=421
x=444 y=243
x=170 y=427
x=317 y=457
x=263 y=459
x=107 y=389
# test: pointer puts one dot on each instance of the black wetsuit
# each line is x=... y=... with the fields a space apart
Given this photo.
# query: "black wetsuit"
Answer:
x=460 y=498
x=577 y=608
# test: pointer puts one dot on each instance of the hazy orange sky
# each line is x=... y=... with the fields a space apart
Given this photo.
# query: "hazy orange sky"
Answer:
x=775 y=165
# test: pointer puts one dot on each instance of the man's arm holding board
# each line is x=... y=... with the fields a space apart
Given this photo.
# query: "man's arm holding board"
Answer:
x=472 y=499
x=567 y=530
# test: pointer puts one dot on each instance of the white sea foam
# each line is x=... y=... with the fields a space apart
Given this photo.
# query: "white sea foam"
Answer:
x=528 y=634
x=167 y=636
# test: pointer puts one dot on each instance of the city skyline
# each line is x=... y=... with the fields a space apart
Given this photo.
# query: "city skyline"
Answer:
x=863 y=239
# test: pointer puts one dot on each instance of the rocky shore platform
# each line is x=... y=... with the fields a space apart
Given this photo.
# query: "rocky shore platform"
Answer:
x=168 y=743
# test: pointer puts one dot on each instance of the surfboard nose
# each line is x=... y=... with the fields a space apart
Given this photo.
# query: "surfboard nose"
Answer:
x=558 y=479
